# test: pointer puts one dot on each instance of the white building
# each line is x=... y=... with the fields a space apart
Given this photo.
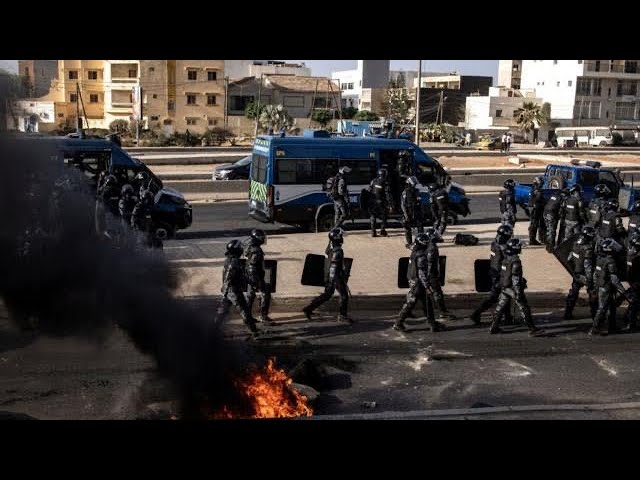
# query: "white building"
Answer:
x=31 y=115
x=586 y=92
x=496 y=109
x=368 y=74
x=509 y=73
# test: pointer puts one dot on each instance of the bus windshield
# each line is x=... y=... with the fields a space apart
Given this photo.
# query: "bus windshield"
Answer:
x=259 y=168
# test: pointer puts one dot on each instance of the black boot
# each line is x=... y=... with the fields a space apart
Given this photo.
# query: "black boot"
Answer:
x=399 y=326
x=437 y=326
x=495 y=327
x=383 y=233
x=476 y=317
x=266 y=320
x=568 y=313
x=345 y=319
x=307 y=312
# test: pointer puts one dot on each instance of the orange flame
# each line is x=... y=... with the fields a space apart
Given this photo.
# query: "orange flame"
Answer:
x=269 y=393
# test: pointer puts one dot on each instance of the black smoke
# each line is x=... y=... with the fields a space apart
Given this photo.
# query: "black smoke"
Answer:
x=58 y=274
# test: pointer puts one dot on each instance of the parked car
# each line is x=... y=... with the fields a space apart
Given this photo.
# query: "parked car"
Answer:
x=489 y=143
x=235 y=171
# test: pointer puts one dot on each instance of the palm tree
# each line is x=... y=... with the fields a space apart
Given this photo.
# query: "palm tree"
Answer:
x=529 y=117
x=275 y=117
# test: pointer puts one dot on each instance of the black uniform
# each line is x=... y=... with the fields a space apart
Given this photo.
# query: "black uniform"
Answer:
x=512 y=285
x=411 y=212
x=106 y=211
x=337 y=281
x=433 y=274
x=255 y=279
x=419 y=289
x=508 y=207
x=382 y=201
x=496 y=258
x=633 y=293
x=234 y=284
x=551 y=217
x=536 y=219
x=404 y=166
x=572 y=216
x=634 y=223
x=142 y=221
x=594 y=211
x=611 y=226
x=340 y=197
x=583 y=258
x=412 y=277
x=607 y=282
x=126 y=204
x=439 y=203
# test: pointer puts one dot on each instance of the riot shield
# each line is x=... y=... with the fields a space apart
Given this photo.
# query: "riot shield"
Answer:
x=562 y=251
x=403 y=268
x=365 y=199
x=481 y=268
x=270 y=272
x=315 y=272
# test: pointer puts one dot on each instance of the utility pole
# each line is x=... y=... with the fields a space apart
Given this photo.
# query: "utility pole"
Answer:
x=139 y=114
x=258 y=106
x=78 y=119
x=226 y=101
x=418 y=103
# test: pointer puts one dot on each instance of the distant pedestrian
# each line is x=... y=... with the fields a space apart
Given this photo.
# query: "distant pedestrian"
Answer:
x=503 y=144
x=509 y=139
x=467 y=139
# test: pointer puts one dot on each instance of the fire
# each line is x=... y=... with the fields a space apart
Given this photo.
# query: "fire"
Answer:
x=269 y=394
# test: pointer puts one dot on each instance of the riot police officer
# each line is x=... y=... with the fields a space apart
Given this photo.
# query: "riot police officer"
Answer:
x=513 y=285
x=107 y=206
x=611 y=225
x=340 y=195
x=634 y=218
x=411 y=210
x=433 y=264
x=404 y=164
x=633 y=293
x=572 y=214
x=234 y=283
x=551 y=217
x=507 y=199
x=337 y=278
x=421 y=285
x=126 y=203
x=255 y=275
x=142 y=221
x=381 y=203
x=503 y=235
x=583 y=258
x=594 y=211
x=607 y=281
x=439 y=204
x=141 y=183
x=536 y=219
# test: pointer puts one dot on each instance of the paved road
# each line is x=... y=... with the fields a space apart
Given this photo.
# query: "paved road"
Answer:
x=231 y=218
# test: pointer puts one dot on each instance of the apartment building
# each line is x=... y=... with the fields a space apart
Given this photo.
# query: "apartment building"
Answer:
x=586 y=92
x=371 y=74
x=510 y=73
x=497 y=109
x=38 y=75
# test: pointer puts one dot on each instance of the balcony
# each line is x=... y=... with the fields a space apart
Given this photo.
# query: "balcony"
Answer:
x=604 y=68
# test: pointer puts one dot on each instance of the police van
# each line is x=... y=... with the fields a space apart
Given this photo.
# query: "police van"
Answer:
x=289 y=177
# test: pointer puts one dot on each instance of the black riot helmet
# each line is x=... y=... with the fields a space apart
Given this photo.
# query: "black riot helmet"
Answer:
x=110 y=181
x=259 y=236
x=575 y=190
x=602 y=190
x=234 y=248
x=432 y=187
x=634 y=241
x=612 y=205
x=513 y=247
x=412 y=181
x=382 y=172
x=142 y=176
x=505 y=231
x=422 y=240
x=609 y=245
x=538 y=181
x=510 y=183
x=336 y=235
x=588 y=233
x=433 y=235
x=126 y=190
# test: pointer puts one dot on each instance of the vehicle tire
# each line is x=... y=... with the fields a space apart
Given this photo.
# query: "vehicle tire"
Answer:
x=557 y=182
x=603 y=143
x=325 y=221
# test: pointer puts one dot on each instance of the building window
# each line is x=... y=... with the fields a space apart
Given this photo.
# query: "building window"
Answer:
x=557 y=84
x=240 y=102
x=607 y=113
x=92 y=74
x=73 y=97
x=73 y=74
x=155 y=118
x=597 y=66
x=192 y=121
x=192 y=75
x=555 y=62
x=155 y=95
x=631 y=66
x=152 y=69
x=626 y=111
x=320 y=102
x=213 y=122
x=191 y=99
x=586 y=109
x=93 y=98
x=167 y=121
x=515 y=67
x=171 y=105
x=211 y=99
x=343 y=86
x=350 y=86
x=627 y=88
x=133 y=73
x=569 y=83
x=498 y=113
x=61 y=115
x=293 y=101
x=212 y=76
x=542 y=83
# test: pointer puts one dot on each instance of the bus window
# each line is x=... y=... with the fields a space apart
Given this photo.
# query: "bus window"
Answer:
x=426 y=174
x=362 y=171
x=259 y=168
x=609 y=179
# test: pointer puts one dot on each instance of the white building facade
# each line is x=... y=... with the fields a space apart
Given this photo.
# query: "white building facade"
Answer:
x=497 y=109
x=368 y=74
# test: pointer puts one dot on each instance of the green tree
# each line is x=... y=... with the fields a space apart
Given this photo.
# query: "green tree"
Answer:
x=254 y=109
x=349 y=112
x=121 y=127
x=322 y=117
x=396 y=105
x=366 y=116
x=275 y=117
x=530 y=116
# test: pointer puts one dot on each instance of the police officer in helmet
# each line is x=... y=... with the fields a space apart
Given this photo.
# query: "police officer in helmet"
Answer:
x=256 y=275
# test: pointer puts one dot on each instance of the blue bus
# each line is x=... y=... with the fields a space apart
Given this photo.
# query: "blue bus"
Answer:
x=288 y=178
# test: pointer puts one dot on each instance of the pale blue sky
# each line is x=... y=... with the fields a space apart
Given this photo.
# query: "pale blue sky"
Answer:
x=325 y=67
x=489 y=68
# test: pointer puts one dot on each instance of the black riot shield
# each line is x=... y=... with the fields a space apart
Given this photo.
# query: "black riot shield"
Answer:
x=270 y=272
x=633 y=271
x=365 y=199
x=481 y=268
x=403 y=269
x=563 y=250
x=313 y=271
x=347 y=268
